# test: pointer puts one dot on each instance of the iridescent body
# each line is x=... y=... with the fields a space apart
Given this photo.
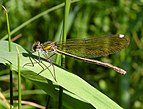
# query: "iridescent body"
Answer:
x=86 y=49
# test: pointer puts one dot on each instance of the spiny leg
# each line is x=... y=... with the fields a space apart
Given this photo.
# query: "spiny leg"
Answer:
x=47 y=67
x=31 y=56
x=36 y=62
x=43 y=66
x=39 y=61
x=51 y=63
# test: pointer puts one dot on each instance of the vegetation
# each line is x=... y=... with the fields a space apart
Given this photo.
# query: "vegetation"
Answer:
x=42 y=20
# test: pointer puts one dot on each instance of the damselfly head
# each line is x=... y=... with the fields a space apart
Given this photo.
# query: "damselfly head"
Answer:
x=36 y=46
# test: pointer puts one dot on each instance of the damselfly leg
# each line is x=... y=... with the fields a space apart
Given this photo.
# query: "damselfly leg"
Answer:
x=38 y=60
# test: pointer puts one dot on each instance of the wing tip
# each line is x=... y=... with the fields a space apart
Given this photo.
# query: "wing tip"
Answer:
x=121 y=35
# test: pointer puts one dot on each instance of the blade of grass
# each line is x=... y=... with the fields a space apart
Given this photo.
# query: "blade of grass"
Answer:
x=10 y=66
x=19 y=79
x=63 y=39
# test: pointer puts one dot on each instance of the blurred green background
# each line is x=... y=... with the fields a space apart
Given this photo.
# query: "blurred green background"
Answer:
x=87 y=19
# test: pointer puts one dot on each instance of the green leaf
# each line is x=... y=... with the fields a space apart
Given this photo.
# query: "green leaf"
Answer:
x=77 y=92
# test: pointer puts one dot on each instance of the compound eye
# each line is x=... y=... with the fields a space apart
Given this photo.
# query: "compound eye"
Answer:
x=35 y=46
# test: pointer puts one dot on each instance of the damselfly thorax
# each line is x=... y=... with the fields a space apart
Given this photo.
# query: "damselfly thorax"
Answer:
x=47 y=46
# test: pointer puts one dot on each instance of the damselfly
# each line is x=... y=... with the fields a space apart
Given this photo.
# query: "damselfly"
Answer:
x=86 y=49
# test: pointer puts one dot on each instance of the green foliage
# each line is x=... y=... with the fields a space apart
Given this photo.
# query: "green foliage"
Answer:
x=87 y=19
x=78 y=92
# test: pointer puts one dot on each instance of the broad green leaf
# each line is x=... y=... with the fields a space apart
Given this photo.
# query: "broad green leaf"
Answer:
x=77 y=92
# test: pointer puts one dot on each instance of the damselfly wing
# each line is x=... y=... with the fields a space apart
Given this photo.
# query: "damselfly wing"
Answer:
x=86 y=49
